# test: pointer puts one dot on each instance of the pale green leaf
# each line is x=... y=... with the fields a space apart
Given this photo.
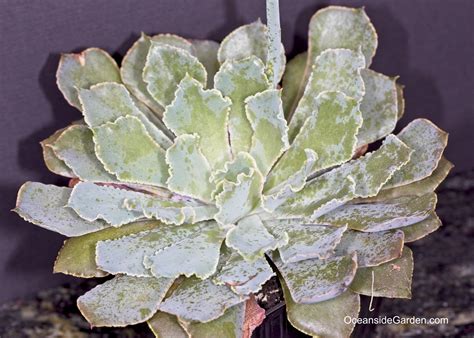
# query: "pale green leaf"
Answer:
x=291 y=83
x=428 y=143
x=372 y=248
x=123 y=300
x=400 y=101
x=164 y=325
x=270 y=132
x=77 y=256
x=238 y=80
x=45 y=206
x=275 y=64
x=201 y=112
x=391 y=280
x=251 y=239
x=82 y=70
x=206 y=52
x=194 y=255
x=315 y=280
x=191 y=301
x=379 y=107
x=127 y=150
x=165 y=67
x=421 y=229
x=76 y=148
x=52 y=161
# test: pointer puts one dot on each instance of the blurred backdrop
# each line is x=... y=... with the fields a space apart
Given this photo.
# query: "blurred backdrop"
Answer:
x=428 y=43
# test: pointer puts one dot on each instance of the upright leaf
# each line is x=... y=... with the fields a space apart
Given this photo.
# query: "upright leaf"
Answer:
x=292 y=78
x=206 y=52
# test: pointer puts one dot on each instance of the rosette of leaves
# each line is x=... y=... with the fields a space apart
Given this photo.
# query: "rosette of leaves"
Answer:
x=196 y=178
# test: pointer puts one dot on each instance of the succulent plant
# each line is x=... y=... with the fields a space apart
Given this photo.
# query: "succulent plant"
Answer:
x=196 y=178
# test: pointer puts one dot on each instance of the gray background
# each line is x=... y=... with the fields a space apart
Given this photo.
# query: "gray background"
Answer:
x=429 y=43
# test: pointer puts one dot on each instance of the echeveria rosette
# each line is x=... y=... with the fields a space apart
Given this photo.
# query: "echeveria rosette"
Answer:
x=193 y=170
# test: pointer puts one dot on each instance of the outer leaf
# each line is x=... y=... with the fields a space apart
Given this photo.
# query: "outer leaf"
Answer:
x=239 y=80
x=379 y=107
x=306 y=241
x=191 y=301
x=202 y=112
x=76 y=148
x=294 y=75
x=372 y=248
x=165 y=325
x=93 y=202
x=197 y=254
x=83 y=70
x=428 y=143
x=165 y=67
x=242 y=276
x=44 y=205
x=52 y=161
x=77 y=256
x=206 y=52
x=270 y=132
x=127 y=150
x=313 y=280
x=251 y=239
x=392 y=280
x=123 y=300
x=387 y=215
x=421 y=229
x=333 y=70
x=330 y=132
x=105 y=102
x=400 y=100
x=189 y=170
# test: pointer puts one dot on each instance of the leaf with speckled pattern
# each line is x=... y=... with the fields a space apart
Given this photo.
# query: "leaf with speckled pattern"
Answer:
x=270 y=131
x=52 y=161
x=428 y=143
x=45 y=206
x=165 y=67
x=206 y=52
x=421 y=229
x=76 y=148
x=242 y=276
x=127 y=150
x=123 y=300
x=164 y=325
x=324 y=319
x=379 y=107
x=372 y=248
x=82 y=70
x=200 y=300
x=384 y=215
x=202 y=112
x=306 y=241
x=251 y=239
x=316 y=280
x=333 y=70
x=392 y=279
x=238 y=80
x=294 y=75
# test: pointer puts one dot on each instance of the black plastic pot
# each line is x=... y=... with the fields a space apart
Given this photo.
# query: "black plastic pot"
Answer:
x=276 y=325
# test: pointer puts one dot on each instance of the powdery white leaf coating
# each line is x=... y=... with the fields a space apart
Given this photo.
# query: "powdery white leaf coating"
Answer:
x=123 y=300
x=238 y=80
x=163 y=324
x=93 y=202
x=380 y=216
x=330 y=131
x=165 y=67
x=251 y=239
x=316 y=280
x=306 y=241
x=275 y=64
x=76 y=148
x=45 y=206
x=200 y=300
x=202 y=112
x=373 y=248
x=52 y=161
x=291 y=83
x=83 y=70
x=126 y=149
x=126 y=254
x=105 y=102
x=323 y=319
x=206 y=52
x=197 y=254
x=242 y=276
x=270 y=131
x=379 y=107
x=189 y=170
x=333 y=70
x=391 y=280
x=428 y=143
x=421 y=229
